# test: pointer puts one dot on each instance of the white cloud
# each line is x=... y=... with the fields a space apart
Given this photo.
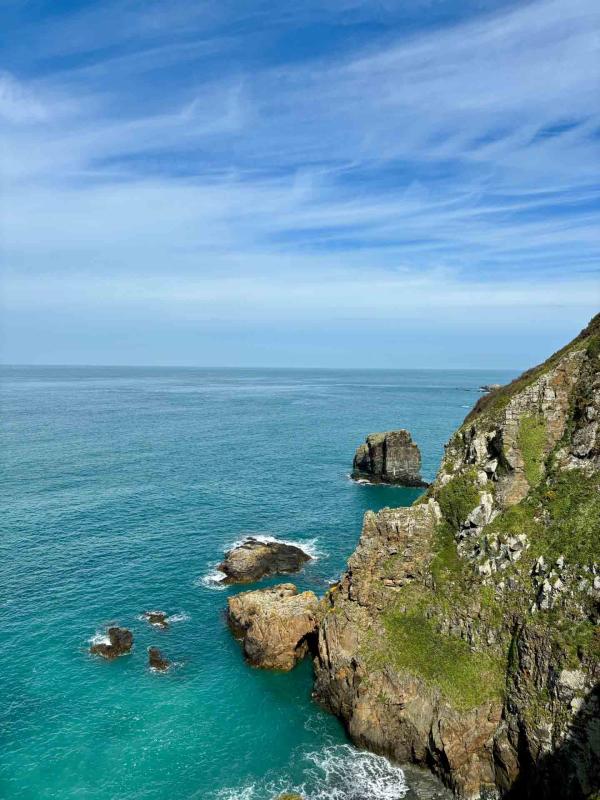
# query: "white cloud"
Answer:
x=451 y=169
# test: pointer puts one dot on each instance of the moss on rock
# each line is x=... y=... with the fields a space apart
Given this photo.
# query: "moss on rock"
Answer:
x=532 y=443
x=458 y=498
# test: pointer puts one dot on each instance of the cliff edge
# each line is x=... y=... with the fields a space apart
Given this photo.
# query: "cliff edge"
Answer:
x=464 y=634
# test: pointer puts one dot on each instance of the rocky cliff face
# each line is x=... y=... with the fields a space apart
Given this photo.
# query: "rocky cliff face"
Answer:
x=464 y=634
x=389 y=457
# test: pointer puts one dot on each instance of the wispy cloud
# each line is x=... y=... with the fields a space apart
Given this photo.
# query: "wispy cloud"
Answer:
x=450 y=164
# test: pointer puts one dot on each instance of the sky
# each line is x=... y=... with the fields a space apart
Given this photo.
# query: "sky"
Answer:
x=328 y=183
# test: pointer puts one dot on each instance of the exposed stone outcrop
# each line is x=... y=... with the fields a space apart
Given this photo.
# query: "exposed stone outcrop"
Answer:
x=117 y=642
x=256 y=558
x=157 y=661
x=157 y=619
x=274 y=624
x=464 y=634
x=390 y=457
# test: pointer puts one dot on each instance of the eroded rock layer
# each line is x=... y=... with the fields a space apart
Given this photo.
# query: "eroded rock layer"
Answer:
x=464 y=634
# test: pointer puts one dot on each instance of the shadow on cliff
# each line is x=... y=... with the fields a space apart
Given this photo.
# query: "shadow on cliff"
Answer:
x=572 y=771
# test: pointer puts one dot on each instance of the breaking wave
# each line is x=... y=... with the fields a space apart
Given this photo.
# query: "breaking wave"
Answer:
x=309 y=545
x=337 y=772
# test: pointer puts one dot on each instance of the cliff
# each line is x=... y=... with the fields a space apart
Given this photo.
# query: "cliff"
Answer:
x=389 y=457
x=464 y=634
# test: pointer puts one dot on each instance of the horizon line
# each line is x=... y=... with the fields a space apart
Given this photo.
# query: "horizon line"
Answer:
x=257 y=367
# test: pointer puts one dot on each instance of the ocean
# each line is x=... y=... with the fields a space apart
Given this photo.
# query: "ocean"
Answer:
x=122 y=488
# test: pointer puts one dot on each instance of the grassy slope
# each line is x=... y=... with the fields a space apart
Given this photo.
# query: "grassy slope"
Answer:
x=560 y=516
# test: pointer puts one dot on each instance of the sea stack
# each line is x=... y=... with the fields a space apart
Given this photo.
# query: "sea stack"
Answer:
x=390 y=457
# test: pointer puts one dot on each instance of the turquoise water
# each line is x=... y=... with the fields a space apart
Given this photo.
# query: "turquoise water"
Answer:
x=122 y=488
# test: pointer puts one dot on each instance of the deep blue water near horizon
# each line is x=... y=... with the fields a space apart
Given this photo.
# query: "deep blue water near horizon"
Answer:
x=122 y=488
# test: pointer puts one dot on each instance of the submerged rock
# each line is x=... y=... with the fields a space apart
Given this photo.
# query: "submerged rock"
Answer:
x=389 y=457
x=274 y=624
x=157 y=661
x=255 y=559
x=156 y=618
x=118 y=642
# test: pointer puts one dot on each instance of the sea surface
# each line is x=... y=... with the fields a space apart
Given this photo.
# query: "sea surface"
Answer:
x=121 y=489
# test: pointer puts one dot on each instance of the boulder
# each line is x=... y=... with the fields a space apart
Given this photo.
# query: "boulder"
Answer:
x=156 y=618
x=255 y=559
x=157 y=661
x=389 y=457
x=117 y=642
x=274 y=624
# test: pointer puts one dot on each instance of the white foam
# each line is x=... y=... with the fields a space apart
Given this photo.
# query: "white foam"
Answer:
x=342 y=773
x=100 y=637
x=246 y=793
x=309 y=546
x=183 y=617
x=212 y=580
x=336 y=772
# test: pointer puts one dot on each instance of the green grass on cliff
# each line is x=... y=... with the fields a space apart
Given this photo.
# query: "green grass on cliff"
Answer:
x=494 y=402
x=446 y=563
x=458 y=498
x=532 y=443
x=465 y=678
x=572 y=505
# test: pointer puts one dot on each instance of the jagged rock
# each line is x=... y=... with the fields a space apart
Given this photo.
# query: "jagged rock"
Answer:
x=422 y=604
x=118 y=642
x=274 y=624
x=255 y=559
x=569 y=683
x=157 y=661
x=390 y=457
x=156 y=618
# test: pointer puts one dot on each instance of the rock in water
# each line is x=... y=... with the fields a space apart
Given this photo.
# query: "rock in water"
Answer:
x=274 y=624
x=156 y=618
x=490 y=387
x=157 y=661
x=255 y=559
x=120 y=642
x=390 y=457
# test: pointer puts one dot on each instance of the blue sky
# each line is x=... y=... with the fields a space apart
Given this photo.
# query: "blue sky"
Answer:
x=307 y=183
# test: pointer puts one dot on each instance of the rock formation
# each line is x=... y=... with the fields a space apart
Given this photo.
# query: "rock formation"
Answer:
x=464 y=634
x=157 y=661
x=118 y=642
x=274 y=624
x=390 y=457
x=490 y=387
x=255 y=559
x=158 y=619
